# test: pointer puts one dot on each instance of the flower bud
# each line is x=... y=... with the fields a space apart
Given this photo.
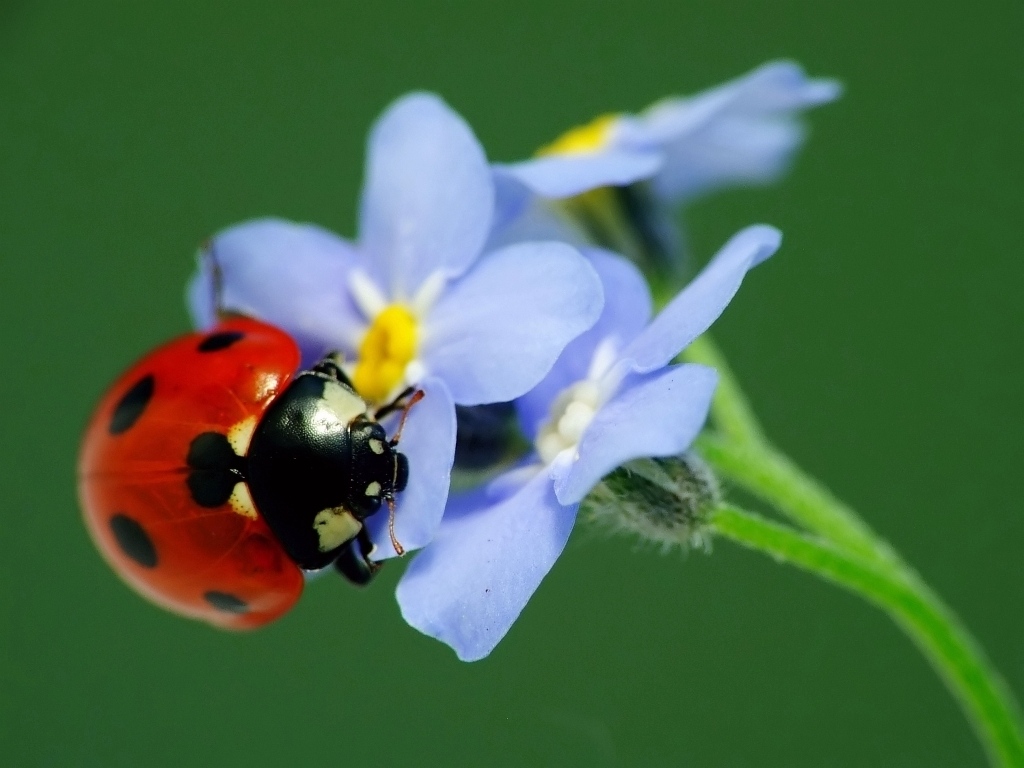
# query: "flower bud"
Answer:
x=663 y=500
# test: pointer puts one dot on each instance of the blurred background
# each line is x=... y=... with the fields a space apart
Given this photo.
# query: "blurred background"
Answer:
x=881 y=347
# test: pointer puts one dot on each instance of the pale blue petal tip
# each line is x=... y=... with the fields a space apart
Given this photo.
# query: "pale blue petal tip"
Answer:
x=428 y=198
x=471 y=584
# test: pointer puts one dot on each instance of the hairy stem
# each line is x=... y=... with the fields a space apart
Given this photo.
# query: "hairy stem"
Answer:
x=771 y=476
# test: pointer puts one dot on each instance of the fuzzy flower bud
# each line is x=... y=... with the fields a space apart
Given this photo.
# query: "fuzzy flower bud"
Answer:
x=662 y=500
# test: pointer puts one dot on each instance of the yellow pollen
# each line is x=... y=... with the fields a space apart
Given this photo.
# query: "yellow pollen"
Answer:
x=583 y=139
x=388 y=347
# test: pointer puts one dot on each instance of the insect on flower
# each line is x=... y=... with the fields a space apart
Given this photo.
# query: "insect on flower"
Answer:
x=417 y=299
x=213 y=473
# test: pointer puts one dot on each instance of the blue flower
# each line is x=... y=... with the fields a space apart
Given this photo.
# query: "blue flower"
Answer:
x=743 y=132
x=611 y=397
x=415 y=301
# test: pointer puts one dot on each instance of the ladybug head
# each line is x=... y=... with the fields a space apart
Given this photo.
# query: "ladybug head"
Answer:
x=378 y=469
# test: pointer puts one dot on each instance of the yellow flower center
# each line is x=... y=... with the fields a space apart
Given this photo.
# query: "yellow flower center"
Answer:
x=388 y=347
x=599 y=211
x=583 y=139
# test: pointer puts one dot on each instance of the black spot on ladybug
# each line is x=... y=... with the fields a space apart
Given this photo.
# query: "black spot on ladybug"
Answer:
x=228 y=603
x=133 y=540
x=131 y=405
x=218 y=341
x=215 y=469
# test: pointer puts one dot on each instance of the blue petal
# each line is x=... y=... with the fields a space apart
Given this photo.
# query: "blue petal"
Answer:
x=655 y=414
x=539 y=220
x=743 y=132
x=627 y=309
x=428 y=197
x=428 y=441
x=698 y=305
x=468 y=587
x=497 y=331
x=291 y=275
x=557 y=176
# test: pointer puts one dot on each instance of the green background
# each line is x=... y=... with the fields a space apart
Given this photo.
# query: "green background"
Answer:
x=881 y=348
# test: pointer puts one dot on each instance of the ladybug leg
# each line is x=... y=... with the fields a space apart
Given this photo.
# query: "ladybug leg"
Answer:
x=221 y=312
x=216 y=279
x=330 y=367
x=354 y=562
x=397 y=404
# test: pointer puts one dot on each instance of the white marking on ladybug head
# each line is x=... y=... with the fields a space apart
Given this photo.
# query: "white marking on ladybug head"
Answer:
x=345 y=403
x=334 y=526
x=240 y=435
x=376 y=446
x=241 y=502
x=373 y=489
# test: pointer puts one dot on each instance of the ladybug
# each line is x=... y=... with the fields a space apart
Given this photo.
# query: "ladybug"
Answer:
x=214 y=472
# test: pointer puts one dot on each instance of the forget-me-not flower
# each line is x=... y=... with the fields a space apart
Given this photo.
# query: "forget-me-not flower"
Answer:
x=612 y=397
x=415 y=301
x=618 y=175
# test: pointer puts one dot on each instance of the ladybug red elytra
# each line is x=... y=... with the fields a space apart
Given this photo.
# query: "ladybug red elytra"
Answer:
x=214 y=472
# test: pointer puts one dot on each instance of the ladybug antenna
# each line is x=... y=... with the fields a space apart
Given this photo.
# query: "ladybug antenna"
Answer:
x=414 y=398
x=216 y=279
x=405 y=401
x=399 y=549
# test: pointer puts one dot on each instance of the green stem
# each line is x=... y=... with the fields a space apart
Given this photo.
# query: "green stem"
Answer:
x=846 y=551
x=987 y=702
x=731 y=411
x=743 y=454
x=766 y=473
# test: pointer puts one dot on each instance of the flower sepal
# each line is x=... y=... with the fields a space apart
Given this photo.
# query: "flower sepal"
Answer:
x=667 y=501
